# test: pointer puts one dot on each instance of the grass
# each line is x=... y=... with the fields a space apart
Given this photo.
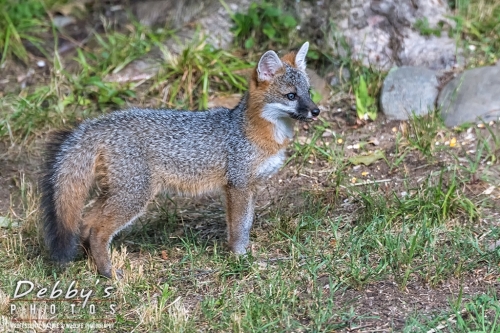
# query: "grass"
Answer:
x=265 y=25
x=407 y=233
x=188 y=80
x=19 y=20
x=478 y=30
x=321 y=241
x=179 y=280
x=481 y=314
x=68 y=96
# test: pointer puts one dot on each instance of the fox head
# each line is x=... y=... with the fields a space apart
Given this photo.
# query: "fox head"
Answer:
x=282 y=86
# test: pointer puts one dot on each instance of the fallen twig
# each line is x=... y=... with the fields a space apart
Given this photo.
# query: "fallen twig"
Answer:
x=369 y=182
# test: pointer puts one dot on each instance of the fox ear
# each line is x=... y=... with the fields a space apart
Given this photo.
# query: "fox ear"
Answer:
x=268 y=65
x=300 y=58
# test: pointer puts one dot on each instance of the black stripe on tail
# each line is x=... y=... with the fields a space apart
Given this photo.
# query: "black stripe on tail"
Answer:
x=61 y=242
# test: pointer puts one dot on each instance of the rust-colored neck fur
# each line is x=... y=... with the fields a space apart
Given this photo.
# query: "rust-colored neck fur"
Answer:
x=260 y=130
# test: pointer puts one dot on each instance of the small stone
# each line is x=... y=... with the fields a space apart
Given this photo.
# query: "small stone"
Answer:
x=493 y=246
x=489 y=190
x=303 y=140
x=61 y=21
x=327 y=133
x=408 y=90
x=40 y=63
x=137 y=70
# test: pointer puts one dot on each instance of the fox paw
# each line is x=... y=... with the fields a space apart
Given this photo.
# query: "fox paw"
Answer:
x=238 y=249
x=112 y=274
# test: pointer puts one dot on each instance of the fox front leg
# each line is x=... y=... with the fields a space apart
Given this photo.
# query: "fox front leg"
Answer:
x=240 y=211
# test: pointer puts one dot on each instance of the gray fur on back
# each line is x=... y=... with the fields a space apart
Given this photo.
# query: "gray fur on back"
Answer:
x=161 y=144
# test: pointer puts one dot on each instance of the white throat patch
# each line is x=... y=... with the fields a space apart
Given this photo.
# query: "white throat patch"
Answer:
x=278 y=115
x=271 y=165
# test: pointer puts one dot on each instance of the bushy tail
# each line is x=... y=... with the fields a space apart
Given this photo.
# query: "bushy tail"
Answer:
x=65 y=184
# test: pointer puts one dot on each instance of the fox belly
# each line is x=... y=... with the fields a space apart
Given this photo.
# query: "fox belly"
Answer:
x=193 y=184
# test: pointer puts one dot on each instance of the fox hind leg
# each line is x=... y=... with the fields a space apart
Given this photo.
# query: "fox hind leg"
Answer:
x=104 y=226
x=112 y=213
x=90 y=219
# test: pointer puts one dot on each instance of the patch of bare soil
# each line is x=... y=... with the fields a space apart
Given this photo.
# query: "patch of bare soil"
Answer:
x=384 y=307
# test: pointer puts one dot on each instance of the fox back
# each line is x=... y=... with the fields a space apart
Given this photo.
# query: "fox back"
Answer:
x=134 y=154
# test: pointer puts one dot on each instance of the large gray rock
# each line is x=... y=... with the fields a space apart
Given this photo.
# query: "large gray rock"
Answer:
x=472 y=96
x=382 y=33
x=408 y=90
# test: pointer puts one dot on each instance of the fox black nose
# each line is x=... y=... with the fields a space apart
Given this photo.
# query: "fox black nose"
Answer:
x=315 y=112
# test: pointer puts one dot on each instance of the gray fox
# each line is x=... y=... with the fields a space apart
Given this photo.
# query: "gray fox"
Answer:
x=134 y=154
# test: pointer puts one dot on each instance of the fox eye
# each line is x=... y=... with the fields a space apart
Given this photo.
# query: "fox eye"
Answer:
x=291 y=96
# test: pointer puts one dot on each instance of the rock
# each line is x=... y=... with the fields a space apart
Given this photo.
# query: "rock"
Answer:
x=137 y=70
x=61 y=21
x=224 y=100
x=472 y=96
x=382 y=33
x=408 y=90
